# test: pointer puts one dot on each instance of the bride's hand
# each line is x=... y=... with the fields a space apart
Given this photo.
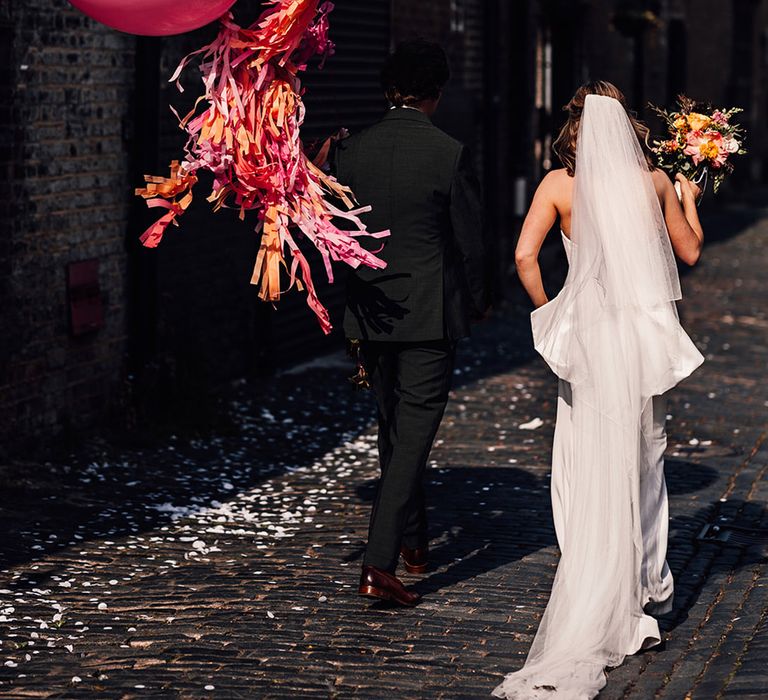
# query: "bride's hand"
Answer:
x=688 y=188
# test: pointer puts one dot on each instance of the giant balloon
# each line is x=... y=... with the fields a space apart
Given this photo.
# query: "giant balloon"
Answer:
x=154 y=17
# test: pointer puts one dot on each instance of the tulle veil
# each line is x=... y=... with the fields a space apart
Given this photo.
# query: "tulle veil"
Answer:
x=614 y=336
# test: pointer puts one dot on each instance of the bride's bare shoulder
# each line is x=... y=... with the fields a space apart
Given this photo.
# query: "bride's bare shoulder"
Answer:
x=661 y=181
x=556 y=181
x=557 y=185
x=557 y=175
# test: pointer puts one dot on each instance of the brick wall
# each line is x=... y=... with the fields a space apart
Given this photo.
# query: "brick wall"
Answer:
x=66 y=91
x=84 y=113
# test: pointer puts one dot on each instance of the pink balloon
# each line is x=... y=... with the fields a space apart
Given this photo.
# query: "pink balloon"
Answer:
x=154 y=17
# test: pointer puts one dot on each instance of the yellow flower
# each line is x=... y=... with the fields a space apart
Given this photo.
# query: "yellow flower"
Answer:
x=681 y=124
x=709 y=150
x=698 y=122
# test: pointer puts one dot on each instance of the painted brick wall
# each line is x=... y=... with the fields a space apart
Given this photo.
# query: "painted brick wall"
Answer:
x=66 y=92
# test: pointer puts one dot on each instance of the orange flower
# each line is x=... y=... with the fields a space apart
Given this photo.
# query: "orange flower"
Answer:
x=681 y=124
x=698 y=122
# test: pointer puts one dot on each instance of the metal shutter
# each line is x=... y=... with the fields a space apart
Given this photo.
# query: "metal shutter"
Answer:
x=203 y=269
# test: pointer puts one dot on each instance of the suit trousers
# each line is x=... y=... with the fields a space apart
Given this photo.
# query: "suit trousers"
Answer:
x=411 y=382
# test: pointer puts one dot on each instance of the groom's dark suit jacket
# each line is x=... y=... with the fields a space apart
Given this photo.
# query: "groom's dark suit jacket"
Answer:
x=421 y=185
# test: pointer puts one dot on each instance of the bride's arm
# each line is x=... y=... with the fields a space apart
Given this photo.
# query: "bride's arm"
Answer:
x=539 y=220
x=685 y=231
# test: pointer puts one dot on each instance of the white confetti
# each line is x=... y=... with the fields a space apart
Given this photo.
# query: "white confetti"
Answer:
x=532 y=424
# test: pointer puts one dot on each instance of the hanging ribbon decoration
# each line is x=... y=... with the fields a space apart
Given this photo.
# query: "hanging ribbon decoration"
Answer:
x=248 y=137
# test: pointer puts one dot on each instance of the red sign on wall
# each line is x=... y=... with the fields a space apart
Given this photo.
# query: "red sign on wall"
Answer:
x=85 y=308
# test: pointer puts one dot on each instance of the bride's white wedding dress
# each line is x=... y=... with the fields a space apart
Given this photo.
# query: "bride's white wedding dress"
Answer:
x=613 y=337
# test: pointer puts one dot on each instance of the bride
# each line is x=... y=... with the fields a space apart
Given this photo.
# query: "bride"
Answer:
x=613 y=338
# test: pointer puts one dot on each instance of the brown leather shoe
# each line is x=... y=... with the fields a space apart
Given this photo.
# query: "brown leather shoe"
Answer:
x=375 y=583
x=415 y=560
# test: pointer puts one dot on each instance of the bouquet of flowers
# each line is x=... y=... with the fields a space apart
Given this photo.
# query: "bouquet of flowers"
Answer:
x=701 y=141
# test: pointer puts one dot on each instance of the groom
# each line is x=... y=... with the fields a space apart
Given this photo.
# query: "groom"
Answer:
x=410 y=315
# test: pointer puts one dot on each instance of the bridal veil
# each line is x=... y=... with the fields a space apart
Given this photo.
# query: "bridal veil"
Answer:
x=614 y=336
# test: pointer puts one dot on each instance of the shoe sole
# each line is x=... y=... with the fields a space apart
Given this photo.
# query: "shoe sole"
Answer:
x=373 y=592
x=415 y=568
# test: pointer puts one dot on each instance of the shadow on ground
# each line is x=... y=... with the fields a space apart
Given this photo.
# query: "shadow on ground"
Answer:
x=480 y=519
x=103 y=489
x=108 y=489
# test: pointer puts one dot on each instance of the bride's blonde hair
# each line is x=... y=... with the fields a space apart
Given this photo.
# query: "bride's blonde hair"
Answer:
x=565 y=144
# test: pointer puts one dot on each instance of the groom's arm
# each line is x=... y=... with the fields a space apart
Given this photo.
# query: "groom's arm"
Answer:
x=466 y=211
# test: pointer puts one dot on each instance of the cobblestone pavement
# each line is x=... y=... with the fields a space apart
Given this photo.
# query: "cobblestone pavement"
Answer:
x=226 y=565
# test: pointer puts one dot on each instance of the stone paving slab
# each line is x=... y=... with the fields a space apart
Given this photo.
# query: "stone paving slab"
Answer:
x=225 y=565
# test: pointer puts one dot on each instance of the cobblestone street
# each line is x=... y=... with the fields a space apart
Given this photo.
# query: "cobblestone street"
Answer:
x=226 y=565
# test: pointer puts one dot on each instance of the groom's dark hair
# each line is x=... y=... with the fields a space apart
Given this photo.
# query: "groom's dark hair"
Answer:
x=415 y=71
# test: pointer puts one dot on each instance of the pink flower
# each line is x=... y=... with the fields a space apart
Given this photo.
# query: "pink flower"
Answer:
x=719 y=118
x=731 y=145
x=706 y=146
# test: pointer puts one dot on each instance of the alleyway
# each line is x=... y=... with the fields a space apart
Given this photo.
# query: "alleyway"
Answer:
x=226 y=565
